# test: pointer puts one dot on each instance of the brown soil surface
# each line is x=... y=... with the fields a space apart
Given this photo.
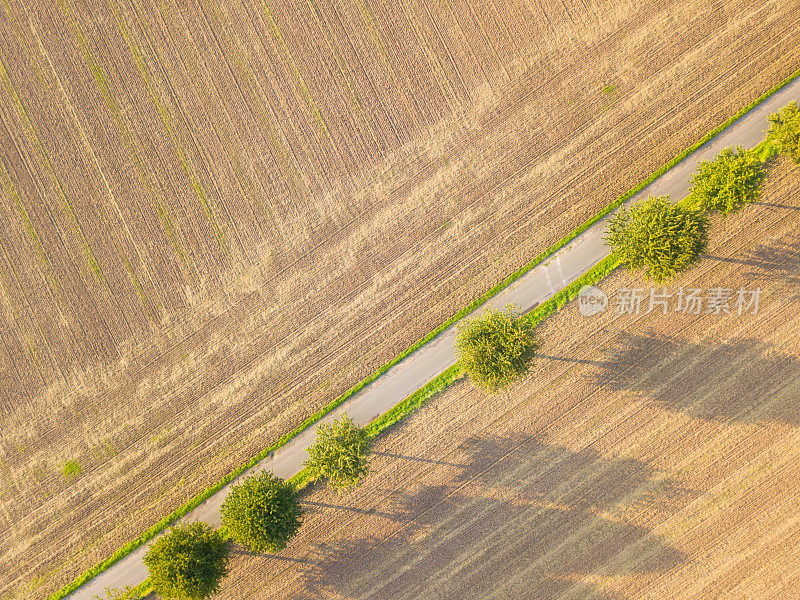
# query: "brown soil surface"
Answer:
x=217 y=216
x=649 y=456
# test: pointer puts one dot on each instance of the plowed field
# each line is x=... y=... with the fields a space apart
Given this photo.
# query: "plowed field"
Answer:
x=217 y=216
x=647 y=456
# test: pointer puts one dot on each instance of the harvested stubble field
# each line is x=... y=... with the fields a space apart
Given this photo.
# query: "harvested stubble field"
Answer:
x=217 y=216
x=649 y=456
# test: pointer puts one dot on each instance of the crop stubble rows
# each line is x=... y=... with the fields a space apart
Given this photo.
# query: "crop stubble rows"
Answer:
x=649 y=456
x=219 y=216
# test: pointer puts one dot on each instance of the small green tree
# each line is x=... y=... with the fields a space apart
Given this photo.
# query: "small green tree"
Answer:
x=729 y=181
x=658 y=236
x=497 y=348
x=188 y=562
x=784 y=130
x=262 y=513
x=340 y=453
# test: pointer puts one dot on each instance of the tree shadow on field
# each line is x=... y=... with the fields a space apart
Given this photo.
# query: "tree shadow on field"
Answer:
x=520 y=519
x=240 y=551
x=776 y=263
x=577 y=361
x=780 y=261
x=311 y=505
x=744 y=380
x=774 y=205
x=415 y=458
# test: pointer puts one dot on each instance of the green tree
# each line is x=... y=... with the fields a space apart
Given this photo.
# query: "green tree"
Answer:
x=262 y=513
x=340 y=453
x=496 y=349
x=658 y=236
x=188 y=562
x=784 y=130
x=729 y=181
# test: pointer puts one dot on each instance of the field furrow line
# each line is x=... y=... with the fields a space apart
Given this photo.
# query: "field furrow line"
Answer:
x=444 y=84
x=188 y=266
x=79 y=229
x=578 y=346
x=332 y=99
x=221 y=105
x=280 y=106
x=246 y=176
x=285 y=57
x=59 y=190
x=368 y=75
x=30 y=320
x=289 y=59
x=25 y=354
x=114 y=109
x=200 y=149
x=346 y=76
x=162 y=93
x=30 y=229
x=464 y=94
x=62 y=294
x=285 y=159
x=169 y=120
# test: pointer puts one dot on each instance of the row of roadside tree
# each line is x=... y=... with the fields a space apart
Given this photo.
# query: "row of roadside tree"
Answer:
x=660 y=237
x=657 y=236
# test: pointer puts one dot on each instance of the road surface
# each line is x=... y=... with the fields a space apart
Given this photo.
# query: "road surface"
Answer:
x=535 y=287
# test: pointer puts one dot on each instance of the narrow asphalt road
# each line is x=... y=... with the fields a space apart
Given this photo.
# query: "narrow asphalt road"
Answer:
x=535 y=287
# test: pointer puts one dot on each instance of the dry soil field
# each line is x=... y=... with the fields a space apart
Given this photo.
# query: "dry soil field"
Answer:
x=216 y=216
x=650 y=456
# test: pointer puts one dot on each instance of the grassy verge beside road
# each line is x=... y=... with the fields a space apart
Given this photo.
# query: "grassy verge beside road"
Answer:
x=441 y=382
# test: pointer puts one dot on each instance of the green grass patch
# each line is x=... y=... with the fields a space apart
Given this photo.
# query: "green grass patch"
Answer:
x=143 y=590
x=71 y=470
x=766 y=150
x=440 y=383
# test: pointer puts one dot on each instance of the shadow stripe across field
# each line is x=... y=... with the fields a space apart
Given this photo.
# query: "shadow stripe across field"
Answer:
x=532 y=289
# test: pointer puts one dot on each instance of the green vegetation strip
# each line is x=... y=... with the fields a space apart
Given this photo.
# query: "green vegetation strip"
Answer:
x=426 y=392
x=455 y=373
x=437 y=385
x=765 y=151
